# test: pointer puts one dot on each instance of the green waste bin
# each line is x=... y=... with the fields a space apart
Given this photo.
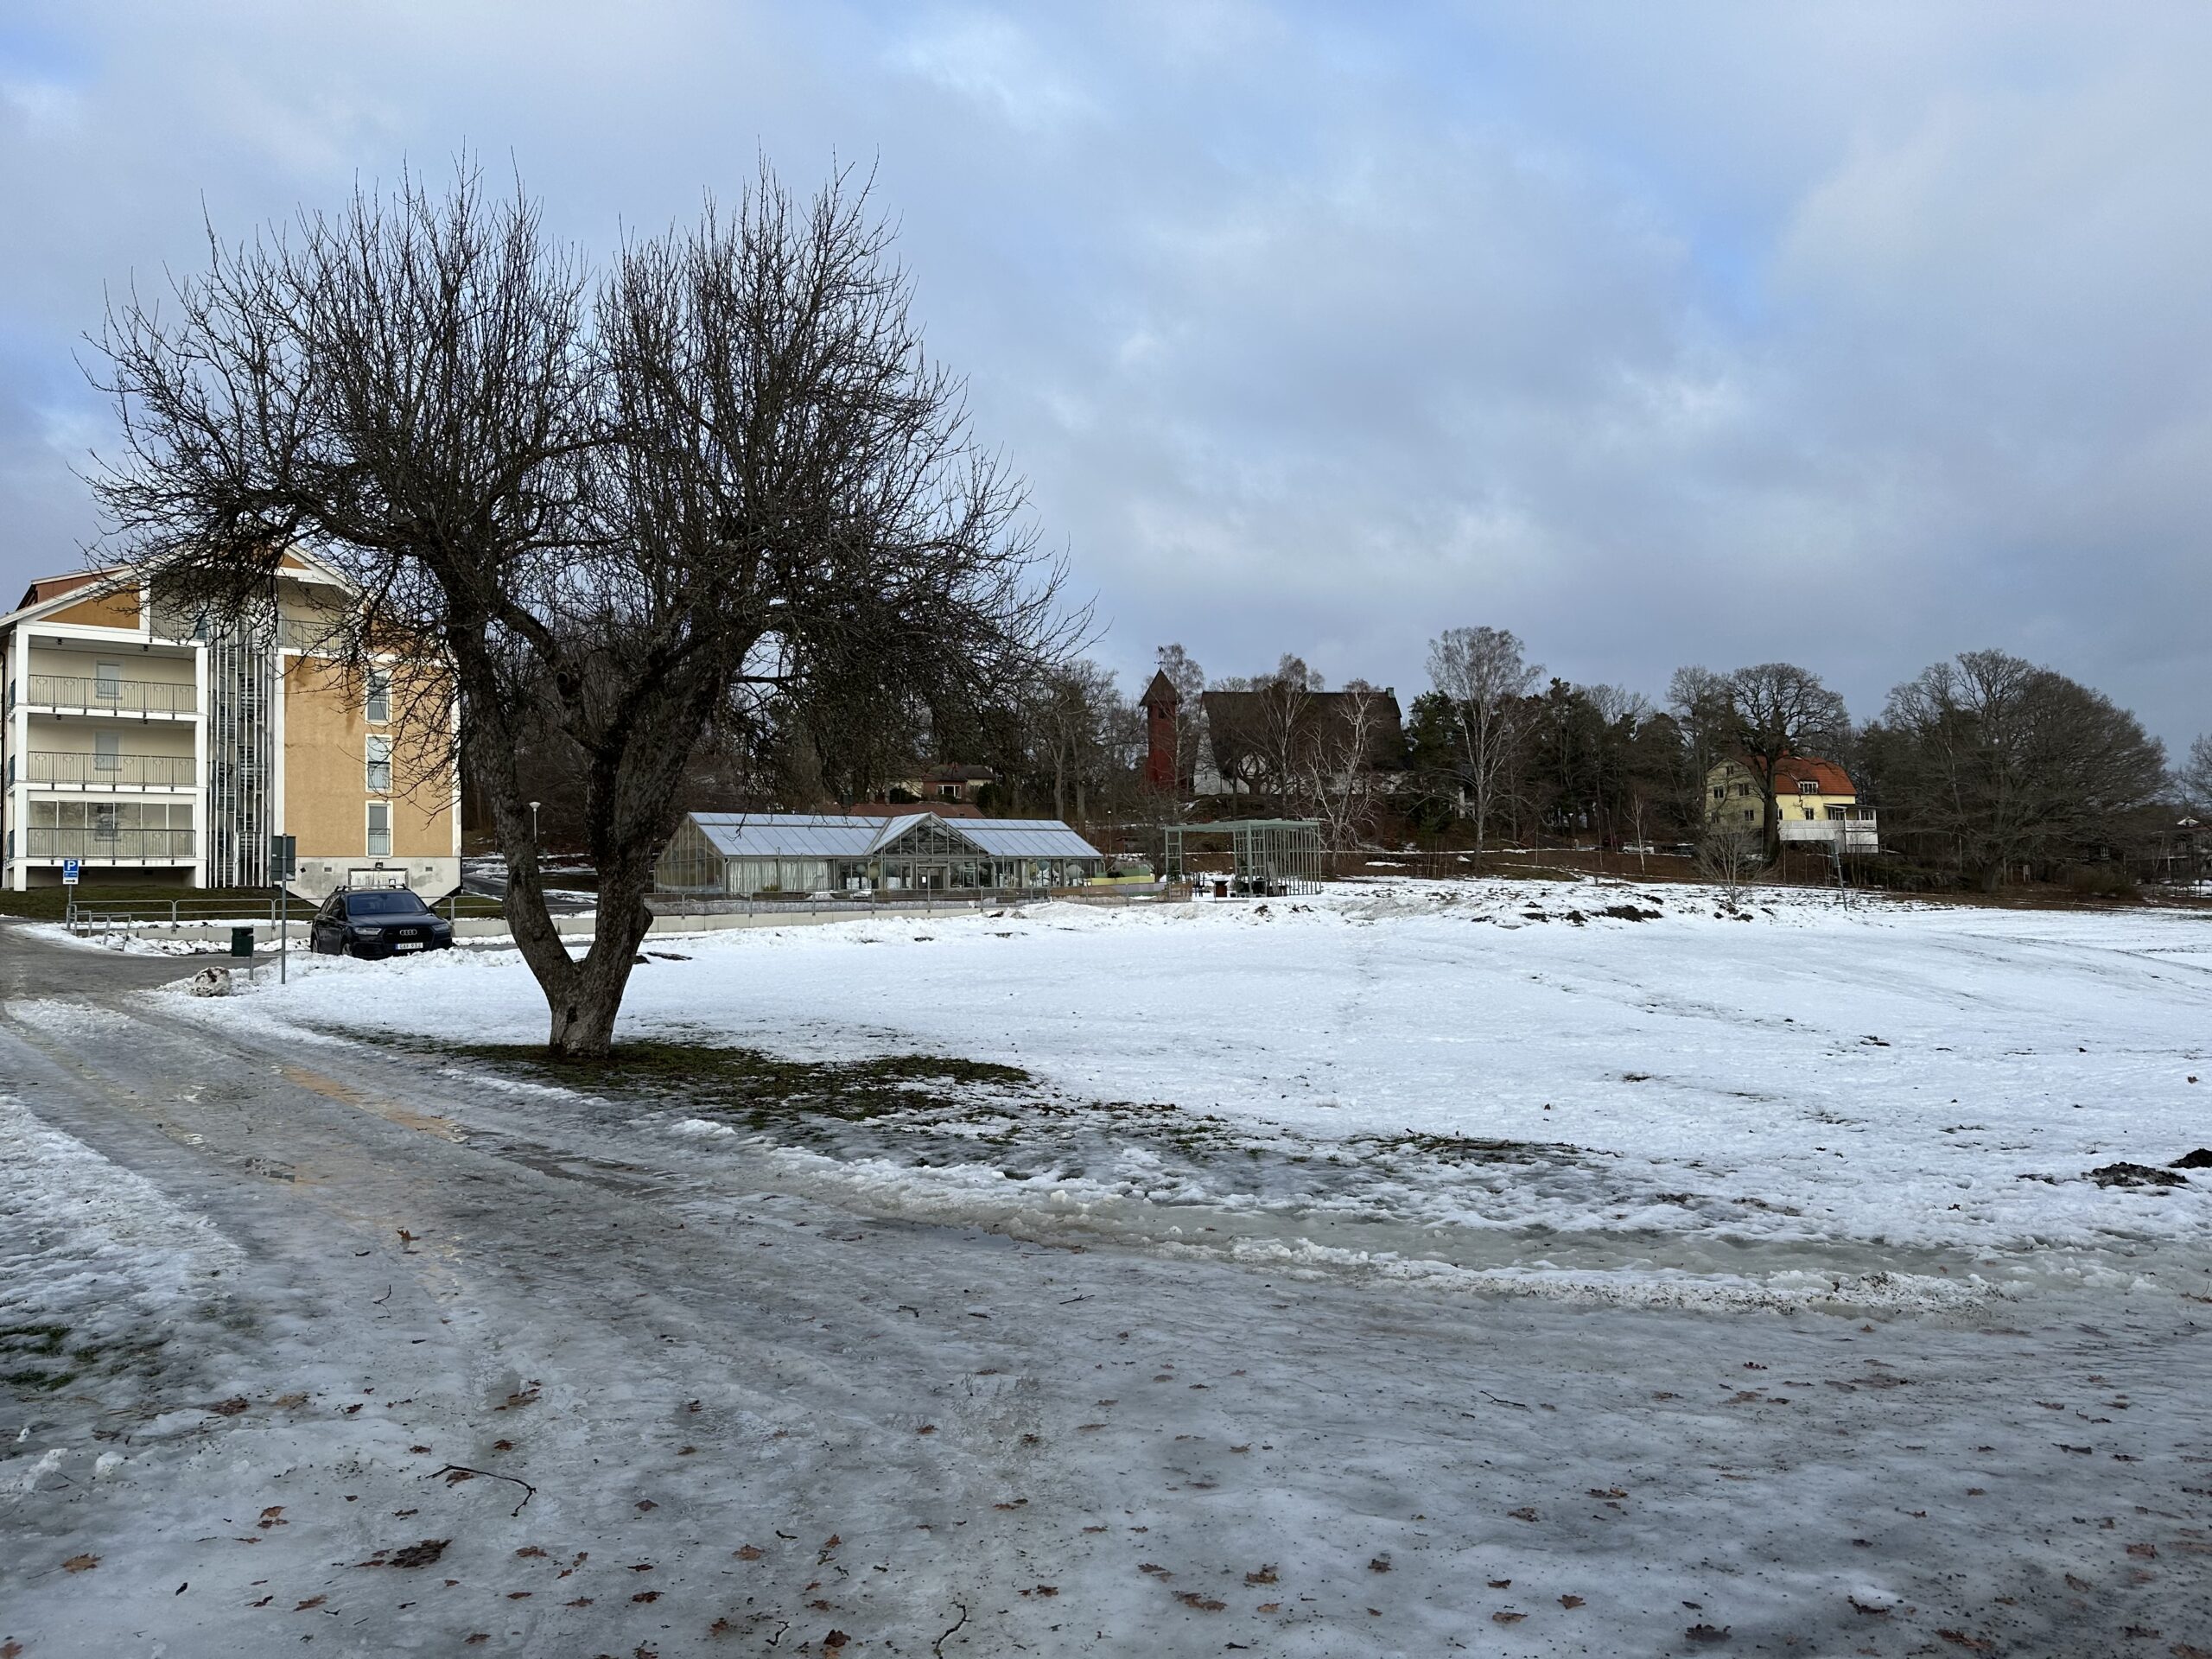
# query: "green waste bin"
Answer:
x=241 y=941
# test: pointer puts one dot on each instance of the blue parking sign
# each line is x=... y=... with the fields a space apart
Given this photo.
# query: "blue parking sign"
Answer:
x=69 y=868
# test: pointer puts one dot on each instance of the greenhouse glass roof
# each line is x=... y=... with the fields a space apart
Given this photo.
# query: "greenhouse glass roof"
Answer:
x=821 y=834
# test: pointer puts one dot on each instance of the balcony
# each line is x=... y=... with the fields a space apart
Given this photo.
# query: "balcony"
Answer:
x=102 y=696
x=135 y=846
x=110 y=771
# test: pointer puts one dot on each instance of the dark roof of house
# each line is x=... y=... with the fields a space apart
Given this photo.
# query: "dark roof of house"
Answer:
x=1242 y=724
x=958 y=774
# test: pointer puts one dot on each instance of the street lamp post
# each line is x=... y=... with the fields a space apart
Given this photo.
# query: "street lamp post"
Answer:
x=533 y=825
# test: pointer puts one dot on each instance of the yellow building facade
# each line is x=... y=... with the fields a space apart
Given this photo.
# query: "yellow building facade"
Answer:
x=150 y=747
x=1814 y=800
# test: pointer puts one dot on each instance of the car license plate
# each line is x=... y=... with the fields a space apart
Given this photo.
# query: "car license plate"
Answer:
x=409 y=944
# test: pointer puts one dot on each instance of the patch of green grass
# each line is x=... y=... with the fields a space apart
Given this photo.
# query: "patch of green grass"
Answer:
x=747 y=1083
x=39 y=1381
x=35 y=1342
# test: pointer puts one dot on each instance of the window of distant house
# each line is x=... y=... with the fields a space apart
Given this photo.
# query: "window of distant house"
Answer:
x=379 y=767
x=379 y=698
x=379 y=829
x=107 y=751
x=947 y=791
x=107 y=682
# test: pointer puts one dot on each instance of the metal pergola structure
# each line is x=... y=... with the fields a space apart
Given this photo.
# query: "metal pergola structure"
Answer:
x=1269 y=856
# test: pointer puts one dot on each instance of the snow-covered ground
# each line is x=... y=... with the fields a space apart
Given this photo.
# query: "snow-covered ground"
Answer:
x=399 y=1349
x=1493 y=1085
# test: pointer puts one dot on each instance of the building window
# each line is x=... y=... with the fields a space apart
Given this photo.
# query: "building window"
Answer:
x=107 y=821
x=379 y=699
x=379 y=829
x=379 y=766
x=107 y=751
x=107 y=682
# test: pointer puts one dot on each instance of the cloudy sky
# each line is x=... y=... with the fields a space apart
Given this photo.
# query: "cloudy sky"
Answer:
x=1658 y=334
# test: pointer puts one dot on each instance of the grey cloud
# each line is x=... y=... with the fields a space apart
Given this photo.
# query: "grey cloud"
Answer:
x=1858 y=337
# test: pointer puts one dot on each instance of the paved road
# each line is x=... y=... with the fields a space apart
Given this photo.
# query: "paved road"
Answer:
x=700 y=1413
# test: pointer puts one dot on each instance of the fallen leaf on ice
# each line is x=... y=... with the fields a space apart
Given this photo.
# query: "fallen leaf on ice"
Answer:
x=1155 y=1569
x=1570 y=1602
x=529 y=1550
x=312 y=1601
x=421 y=1555
x=747 y=1552
x=1972 y=1644
x=1203 y=1603
x=1265 y=1575
x=80 y=1563
x=1507 y=1618
x=1524 y=1514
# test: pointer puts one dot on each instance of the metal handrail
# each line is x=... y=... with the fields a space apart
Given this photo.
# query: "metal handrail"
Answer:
x=155 y=770
x=120 y=696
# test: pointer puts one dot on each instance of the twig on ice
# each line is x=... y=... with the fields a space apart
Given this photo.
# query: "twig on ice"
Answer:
x=529 y=1492
x=1495 y=1401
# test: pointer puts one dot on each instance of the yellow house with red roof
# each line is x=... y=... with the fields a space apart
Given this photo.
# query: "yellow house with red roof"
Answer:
x=1814 y=800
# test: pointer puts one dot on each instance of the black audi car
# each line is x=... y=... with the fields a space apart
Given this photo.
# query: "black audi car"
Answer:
x=386 y=922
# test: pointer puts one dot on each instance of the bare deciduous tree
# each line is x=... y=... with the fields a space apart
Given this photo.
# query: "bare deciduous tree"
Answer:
x=1776 y=710
x=2003 y=763
x=721 y=477
x=1484 y=674
x=1189 y=680
x=1729 y=858
x=1084 y=730
x=2194 y=778
x=1338 y=763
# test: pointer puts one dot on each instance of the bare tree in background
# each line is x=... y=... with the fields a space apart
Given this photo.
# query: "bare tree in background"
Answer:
x=2194 y=777
x=722 y=476
x=1189 y=680
x=1487 y=680
x=1729 y=858
x=1776 y=710
x=1084 y=730
x=1338 y=763
x=2002 y=763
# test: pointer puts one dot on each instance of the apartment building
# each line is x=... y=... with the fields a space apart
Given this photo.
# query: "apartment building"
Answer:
x=156 y=748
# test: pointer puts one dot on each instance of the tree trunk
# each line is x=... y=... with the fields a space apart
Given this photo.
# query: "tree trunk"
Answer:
x=583 y=1014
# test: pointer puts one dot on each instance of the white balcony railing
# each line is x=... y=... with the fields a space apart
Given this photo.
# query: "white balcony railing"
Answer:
x=101 y=695
x=110 y=771
x=142 y=846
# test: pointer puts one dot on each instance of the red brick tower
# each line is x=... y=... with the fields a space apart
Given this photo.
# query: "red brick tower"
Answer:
x=1160 y=703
